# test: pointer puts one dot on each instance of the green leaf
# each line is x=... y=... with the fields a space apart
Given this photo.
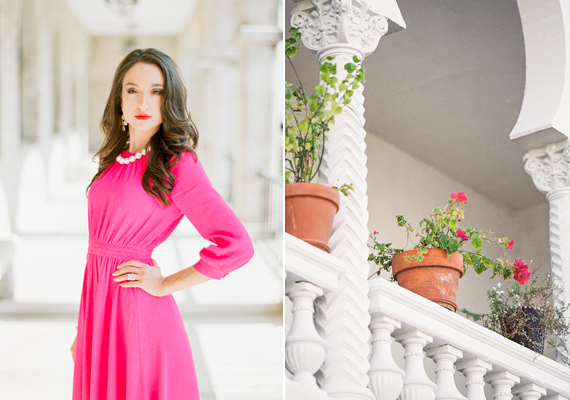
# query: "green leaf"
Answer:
x=320 y=90
x=291 y=51
x=476 y=241
x=313 y=102
x=304 y=125
x=453 y=246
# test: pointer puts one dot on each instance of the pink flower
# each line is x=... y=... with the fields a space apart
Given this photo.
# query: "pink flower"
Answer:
x=520 y=273
x=459 y=196
x=461 y=235
x=510 y=244
x=519 y=262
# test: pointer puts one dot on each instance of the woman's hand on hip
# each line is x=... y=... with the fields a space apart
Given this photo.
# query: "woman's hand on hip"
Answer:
x=144 y=276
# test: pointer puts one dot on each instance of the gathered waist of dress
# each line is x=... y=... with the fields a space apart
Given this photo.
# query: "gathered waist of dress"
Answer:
x=118 y=250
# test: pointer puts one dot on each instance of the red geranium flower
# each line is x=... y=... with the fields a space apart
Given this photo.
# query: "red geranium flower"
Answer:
x=459 y=196
x=376 y=232
x=461 y=235
x=521 y=275
x=519 y=262
x=510 y=244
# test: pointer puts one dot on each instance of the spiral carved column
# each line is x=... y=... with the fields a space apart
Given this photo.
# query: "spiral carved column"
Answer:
x=550 y=172
x=343 y=29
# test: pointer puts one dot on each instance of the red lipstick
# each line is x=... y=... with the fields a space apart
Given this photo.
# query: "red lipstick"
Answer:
x=142 y=116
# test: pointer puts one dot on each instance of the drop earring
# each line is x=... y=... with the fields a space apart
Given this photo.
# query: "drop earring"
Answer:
x=124 y=123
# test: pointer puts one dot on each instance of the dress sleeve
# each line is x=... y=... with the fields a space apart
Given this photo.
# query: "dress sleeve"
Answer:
x=195 y=197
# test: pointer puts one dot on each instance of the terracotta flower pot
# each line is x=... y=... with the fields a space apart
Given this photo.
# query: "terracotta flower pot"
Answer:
x=309 y=212
x=436 y=277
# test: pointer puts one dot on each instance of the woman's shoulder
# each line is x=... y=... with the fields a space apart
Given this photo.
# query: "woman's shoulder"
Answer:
x=187 y=161
x=189 y=173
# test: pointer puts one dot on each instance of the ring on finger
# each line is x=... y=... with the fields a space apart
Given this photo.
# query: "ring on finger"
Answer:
x=131 y=277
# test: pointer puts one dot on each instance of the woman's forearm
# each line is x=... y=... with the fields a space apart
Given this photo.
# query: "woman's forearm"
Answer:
x=182 y=280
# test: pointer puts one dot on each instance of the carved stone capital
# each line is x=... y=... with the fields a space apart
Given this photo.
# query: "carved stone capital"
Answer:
x=326 y=23
x=549 y=167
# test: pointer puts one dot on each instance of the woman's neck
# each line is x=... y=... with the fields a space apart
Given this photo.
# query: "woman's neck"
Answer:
x=139 y=140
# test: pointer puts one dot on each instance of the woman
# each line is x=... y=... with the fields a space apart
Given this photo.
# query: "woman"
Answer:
x=131 y=342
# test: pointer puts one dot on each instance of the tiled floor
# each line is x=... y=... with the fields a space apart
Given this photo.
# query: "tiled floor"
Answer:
x=235 y=360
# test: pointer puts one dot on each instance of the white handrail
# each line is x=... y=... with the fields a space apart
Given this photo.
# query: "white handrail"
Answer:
x=416 y=313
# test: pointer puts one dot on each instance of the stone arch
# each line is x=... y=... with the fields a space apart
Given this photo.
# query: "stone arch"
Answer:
x=544 y=116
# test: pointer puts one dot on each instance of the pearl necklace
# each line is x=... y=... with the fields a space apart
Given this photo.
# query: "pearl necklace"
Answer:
x=123 y=160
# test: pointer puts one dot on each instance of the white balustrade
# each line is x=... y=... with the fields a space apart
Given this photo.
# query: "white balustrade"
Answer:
x=386 y=378
x=444 y=358
x=416 y=383
x=417 y=324
x=304 y=348
x=529 y=391
x=487 y=356
x=474 y=370
x=502 y=382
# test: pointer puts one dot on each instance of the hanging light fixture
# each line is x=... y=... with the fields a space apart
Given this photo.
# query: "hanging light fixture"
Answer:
x=122 y=6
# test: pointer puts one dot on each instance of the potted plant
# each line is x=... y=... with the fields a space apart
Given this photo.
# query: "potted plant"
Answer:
x=309 y=207
x=433 y=267
x=525 y=312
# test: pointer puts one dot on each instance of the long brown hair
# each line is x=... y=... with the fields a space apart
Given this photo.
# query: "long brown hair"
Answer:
x=176 y=134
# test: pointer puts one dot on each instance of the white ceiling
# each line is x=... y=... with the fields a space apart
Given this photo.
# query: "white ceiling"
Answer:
x=148 y=17
x=448 y=90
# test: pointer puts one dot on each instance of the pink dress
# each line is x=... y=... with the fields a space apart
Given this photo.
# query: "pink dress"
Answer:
x=132 y=345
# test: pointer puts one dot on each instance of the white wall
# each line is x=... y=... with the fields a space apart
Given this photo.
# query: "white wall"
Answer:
x=401 y=184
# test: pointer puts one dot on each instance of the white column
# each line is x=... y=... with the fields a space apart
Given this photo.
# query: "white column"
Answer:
x=10 y=102
x=343 y=29
x=416 y=383
x=444 y=358
x=502 y=382
x=530 y=391
x=37 y=74
x=549 y=168
x=475 y=370
x=304 y=348
x=386 y=378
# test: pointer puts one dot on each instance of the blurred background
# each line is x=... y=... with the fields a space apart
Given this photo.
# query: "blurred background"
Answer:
x=57 y=60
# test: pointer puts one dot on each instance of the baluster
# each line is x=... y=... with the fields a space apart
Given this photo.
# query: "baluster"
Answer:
x=530 y=391
x=304 y=348
x=474 y=370
x=444 y=358
x=502 y=382
x=416 y=383
x=386 y=378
